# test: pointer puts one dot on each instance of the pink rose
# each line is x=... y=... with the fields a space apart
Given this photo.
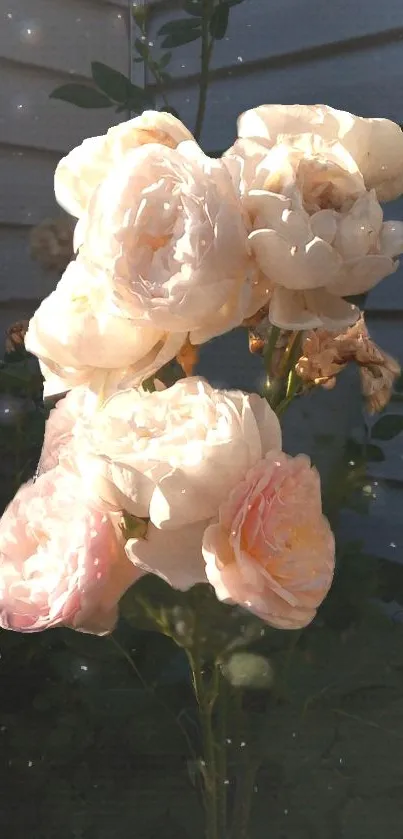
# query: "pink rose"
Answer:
x=272 y=550
x=61 y=562
x=59 y=428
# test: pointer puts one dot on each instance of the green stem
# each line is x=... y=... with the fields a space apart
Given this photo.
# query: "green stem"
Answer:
x=206 y=52
x=270 y=347
x=221 y=745
x=244 y=796
x=155 y=72
x=205 y=702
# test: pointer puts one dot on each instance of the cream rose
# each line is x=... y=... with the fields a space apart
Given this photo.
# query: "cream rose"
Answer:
x=173 y=455
x=318 y=234
x=376 y=145
x=166 y=228
x=272 y=550
x=81 y=338
x=79 y=173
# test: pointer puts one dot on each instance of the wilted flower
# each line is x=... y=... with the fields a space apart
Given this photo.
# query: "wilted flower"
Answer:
x=325 y=354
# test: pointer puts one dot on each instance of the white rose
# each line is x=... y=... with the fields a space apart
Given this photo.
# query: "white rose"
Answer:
x=81 y=338
x=166 y=227
x=318 y=234
x=79 y=173
x=173 y=455
x=376 y=145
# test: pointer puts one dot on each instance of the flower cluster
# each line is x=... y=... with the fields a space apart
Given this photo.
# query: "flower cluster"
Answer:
x=173 y=248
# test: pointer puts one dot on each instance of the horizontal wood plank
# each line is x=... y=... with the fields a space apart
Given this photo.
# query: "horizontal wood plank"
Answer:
x=259 y=30
x=367 y=82
x=29 y=118
x=20 y=276
x=27 y=194
x=65 y=37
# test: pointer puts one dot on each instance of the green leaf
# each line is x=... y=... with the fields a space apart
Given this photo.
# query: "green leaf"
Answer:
x=180 y=38
x=172 y=111
x=182 y=25
x=249 y=671
x=142 y=48
x=83 y=96
x=164 y=60
x=219 y=21
x=117 y=86
x=133 y=527
x=374 y=453
x=165 y=77
x=387 y=427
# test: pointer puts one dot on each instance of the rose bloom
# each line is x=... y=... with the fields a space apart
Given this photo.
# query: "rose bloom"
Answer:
x=61 y=562
x=272 y=550
x=167 y=230
x=173 y=455
x=318 y=234
x=57 y=444
x=376 y=145
x=81 y=338
x=79 y=173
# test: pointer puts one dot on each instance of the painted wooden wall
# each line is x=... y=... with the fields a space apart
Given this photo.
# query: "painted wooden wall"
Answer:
x=43 y=44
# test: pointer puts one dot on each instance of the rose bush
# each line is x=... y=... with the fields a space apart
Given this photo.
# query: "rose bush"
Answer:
x=61 y=562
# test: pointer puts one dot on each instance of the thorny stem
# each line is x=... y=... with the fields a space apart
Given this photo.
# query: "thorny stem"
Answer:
x=206 y=52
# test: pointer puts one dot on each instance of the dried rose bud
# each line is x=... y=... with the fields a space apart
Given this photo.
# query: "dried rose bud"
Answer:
x=256 y=343
x=377 y=382
x=188 y=357
x=51 y=244
x=15 y=336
